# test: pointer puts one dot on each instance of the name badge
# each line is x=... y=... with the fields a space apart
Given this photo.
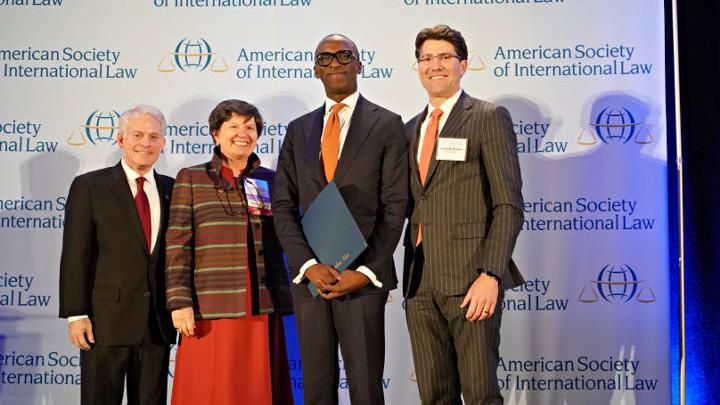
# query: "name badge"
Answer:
x=454 y=149
x=257 y=192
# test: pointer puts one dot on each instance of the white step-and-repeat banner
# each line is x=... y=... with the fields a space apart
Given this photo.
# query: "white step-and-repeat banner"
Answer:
x=583 y=79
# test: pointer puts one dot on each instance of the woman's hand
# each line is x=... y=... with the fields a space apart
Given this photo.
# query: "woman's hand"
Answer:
x=184 y=321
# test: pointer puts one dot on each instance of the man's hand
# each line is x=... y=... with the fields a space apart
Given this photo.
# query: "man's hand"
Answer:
x=184 y=321
x=81 y=334
x=481 y=298
x=350 y=280
x=322 y=275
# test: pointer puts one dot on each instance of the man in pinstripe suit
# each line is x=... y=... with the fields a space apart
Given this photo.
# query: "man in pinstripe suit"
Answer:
x=465 y=215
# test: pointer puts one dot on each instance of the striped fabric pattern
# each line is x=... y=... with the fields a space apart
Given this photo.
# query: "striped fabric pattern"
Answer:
x=471 y=214
x=471 y=211
x=208 y=252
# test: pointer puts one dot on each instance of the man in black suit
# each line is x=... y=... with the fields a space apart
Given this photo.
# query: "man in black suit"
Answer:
x=465 y=215
x=362 y=147
x=112 y=276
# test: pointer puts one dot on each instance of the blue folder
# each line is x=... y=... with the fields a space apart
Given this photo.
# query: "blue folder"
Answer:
x=331 y=231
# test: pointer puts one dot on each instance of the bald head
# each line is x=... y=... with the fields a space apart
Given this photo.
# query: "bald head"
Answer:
x=338 y=37
x=337 y=65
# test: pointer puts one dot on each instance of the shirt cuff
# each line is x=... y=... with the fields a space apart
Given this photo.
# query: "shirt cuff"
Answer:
x=301 y=274
x=491 y=274
x=369 y=274
x=76 y=318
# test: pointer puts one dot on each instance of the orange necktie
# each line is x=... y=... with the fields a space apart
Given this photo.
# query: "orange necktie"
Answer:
x=330 y=147
x=428 y=144
x=426 y=152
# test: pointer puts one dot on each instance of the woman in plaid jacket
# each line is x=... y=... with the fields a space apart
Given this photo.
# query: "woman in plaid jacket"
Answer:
x=227 y=286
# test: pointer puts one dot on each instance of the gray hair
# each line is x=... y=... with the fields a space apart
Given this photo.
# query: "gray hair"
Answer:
x=142 y=109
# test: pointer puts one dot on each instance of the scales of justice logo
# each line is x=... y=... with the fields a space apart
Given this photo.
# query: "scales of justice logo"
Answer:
x=99 y=128
x=193 y=55
x=616 y=119
x=474 y=63
x=617 y=283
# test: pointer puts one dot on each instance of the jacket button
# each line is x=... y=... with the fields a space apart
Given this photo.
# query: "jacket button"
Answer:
x=256 y=226
x=260 y=252
x=146 y=293
x=423 y=196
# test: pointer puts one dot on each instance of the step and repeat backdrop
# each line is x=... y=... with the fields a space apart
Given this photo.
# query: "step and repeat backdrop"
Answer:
x=584 y=81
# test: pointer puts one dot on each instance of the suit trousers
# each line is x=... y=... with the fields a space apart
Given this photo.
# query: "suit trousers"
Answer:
x=357 y=323
x=103 y=371
x=451 y=354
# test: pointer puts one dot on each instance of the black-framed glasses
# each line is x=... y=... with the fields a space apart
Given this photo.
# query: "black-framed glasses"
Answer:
x=441 y=57
x=343 y=57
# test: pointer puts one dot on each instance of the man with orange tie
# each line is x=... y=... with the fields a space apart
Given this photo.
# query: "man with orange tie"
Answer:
x=465 y=215
x=362 y=147
x=112 y=273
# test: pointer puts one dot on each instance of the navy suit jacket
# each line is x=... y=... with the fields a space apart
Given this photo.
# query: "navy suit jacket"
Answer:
x=371 y=176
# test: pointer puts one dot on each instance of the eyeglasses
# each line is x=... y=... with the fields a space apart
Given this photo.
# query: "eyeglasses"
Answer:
x=227 y=204
x=343 y=57
x=441 y=57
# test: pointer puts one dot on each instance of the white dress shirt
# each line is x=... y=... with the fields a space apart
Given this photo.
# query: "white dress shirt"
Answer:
x=446 y=107
x=344 y=115
x=151 y=191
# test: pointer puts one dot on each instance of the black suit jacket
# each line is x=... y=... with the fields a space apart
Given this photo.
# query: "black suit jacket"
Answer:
x=106 y=271
x=471 y=211
x=371 y=176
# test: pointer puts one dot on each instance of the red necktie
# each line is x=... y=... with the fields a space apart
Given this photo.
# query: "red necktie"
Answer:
x=426 y=152
x=143 y=206
x=330 y=146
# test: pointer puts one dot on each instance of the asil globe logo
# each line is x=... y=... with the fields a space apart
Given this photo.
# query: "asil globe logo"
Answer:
x=193 y=55
x=617 y=284
x=615 y=125
x=616 y=120
x=99 y=128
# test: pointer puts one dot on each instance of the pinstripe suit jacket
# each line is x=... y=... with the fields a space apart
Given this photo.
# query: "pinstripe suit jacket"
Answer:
x=471 y=211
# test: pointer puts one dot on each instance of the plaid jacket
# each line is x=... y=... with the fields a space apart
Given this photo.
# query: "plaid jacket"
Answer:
x=210 y=246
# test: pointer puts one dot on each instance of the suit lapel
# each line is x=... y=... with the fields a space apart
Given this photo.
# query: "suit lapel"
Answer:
x=312 y=152
x=124 y=199
x=458 y=115
x=457 y=118
x=414 y=145
x=361 y=124
x=164 y=195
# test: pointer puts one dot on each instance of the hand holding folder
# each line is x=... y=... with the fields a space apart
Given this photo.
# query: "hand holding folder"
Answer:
x=331 y=231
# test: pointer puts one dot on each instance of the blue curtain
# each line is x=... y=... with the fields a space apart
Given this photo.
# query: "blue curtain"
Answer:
x=700 y=103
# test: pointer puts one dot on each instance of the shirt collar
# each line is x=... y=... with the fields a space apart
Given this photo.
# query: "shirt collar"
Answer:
x=447 y=105
x=350 y=101
x=132 y=175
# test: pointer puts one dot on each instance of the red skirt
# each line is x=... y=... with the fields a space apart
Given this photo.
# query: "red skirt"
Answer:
x=233 y=361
